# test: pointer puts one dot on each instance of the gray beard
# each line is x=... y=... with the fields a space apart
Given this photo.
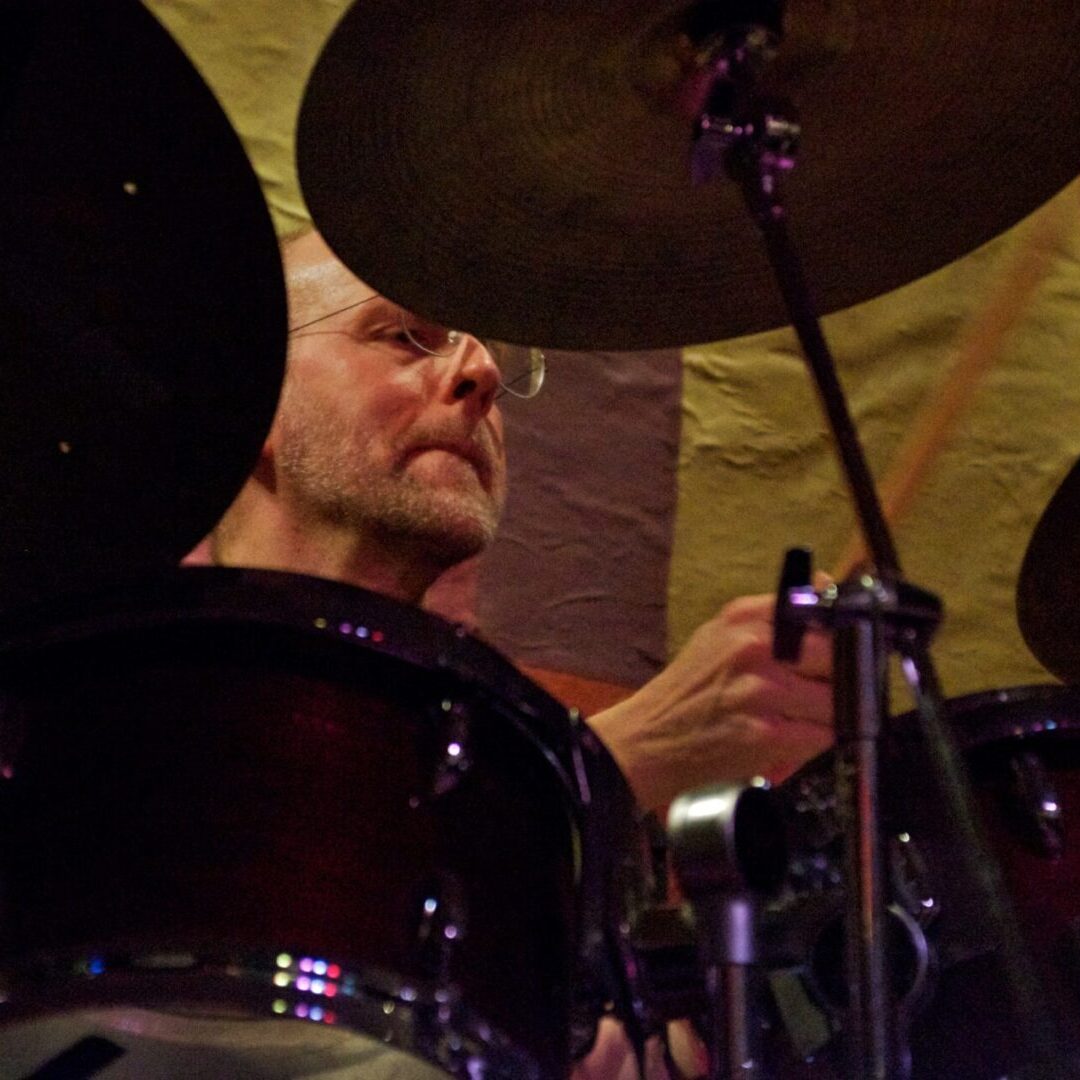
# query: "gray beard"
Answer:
x=440 y=526
x=333 y=481
x=441 y=531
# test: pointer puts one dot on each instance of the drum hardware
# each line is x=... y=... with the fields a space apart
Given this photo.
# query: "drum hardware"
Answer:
x=910 y=876
x=664 y=947
x=806 y=942
x=1036 y=805
x=871 y=615
x=729 y=850
x=650 y=963
x=809 y=1000
x=440 y=931
x=755 y=142
x=866 y=617
x=899 y=616
x=456 y=757
x=951 y=970
x=814 y=869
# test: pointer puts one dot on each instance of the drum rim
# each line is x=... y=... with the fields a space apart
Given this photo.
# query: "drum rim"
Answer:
x=989 y=716
x=263 y=597
x=346 y=617
x=430 y=1022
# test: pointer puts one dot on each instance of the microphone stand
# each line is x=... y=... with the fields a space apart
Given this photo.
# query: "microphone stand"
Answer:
x=871 y=614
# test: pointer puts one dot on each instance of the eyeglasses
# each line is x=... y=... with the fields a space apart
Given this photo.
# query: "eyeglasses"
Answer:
x=521 y=369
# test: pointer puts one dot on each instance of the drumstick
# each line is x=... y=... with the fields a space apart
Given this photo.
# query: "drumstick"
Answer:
x=980 y=345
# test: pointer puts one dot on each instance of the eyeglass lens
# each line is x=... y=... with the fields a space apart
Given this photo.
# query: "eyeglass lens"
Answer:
x=521 y=369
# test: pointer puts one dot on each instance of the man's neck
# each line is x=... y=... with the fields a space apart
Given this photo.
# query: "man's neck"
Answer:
x=260 y=536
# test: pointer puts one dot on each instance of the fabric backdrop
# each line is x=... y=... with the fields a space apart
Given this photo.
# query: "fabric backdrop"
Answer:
x=649 y=488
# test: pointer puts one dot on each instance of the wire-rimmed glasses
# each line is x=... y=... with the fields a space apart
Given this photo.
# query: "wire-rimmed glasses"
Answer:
x=521 y=368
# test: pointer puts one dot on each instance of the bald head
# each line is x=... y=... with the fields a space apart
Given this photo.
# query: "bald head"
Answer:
x=385 y=463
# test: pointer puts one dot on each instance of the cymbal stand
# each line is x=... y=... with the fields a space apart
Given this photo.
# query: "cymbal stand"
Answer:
x=728 y=847
x=755 y=141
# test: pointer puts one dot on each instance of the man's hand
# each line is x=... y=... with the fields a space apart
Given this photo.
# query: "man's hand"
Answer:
x=612 y=1057
x=723 y=709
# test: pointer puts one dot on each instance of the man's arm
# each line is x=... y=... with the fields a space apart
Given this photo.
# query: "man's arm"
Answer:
x=723 y=709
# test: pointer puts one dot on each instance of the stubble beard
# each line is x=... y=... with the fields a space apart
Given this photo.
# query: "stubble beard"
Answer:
x=337 y=481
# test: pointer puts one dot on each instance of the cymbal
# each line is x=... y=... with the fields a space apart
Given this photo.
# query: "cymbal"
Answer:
x=142 y=307
x=520 y=168
x=1048 y=592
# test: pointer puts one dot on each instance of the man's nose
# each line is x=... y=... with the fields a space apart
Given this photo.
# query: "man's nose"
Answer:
x=474 y=374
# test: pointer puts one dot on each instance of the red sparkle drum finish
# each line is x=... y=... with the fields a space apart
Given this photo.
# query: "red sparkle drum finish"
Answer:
x=213 y=781
x=1022 y=750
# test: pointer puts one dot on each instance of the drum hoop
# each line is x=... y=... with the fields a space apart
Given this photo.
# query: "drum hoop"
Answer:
x=1016 y=712
x=429 y=1021
x=349 y=617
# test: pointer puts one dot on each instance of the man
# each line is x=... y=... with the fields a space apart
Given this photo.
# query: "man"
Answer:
x=385 y=467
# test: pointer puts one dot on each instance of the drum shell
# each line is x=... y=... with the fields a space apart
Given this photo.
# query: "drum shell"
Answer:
x=199 y=772
x=962 y=1025
x=1003 y=735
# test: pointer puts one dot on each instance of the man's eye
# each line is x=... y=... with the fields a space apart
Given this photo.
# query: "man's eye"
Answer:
x=391 y=332
x=392 y=336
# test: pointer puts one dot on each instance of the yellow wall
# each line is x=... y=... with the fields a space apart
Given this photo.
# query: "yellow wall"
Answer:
x=757 y=472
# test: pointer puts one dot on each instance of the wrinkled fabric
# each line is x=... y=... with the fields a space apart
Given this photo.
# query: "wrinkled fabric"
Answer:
x=603 y=577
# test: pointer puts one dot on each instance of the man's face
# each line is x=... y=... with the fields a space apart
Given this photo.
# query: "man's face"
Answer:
x=373 y=433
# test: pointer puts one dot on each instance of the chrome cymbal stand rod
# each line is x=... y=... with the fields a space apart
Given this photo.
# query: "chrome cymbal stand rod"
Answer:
x=755 y=141
x=728 y=845
x=756 y=148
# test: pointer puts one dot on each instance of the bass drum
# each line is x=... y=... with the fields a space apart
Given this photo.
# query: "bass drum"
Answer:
x=1022 y=749
x=249 y=796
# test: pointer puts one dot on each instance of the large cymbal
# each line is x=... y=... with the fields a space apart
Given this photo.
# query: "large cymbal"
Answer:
x=520 y=167
x=142 y=311
x=1048 y=593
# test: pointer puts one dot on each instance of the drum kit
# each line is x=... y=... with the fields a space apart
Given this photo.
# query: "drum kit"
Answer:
x=232 y=794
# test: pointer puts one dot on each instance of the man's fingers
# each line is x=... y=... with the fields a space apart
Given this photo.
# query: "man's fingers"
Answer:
x=753 y=616
x=749 y=609
x=816 y=656
x=783 y=692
